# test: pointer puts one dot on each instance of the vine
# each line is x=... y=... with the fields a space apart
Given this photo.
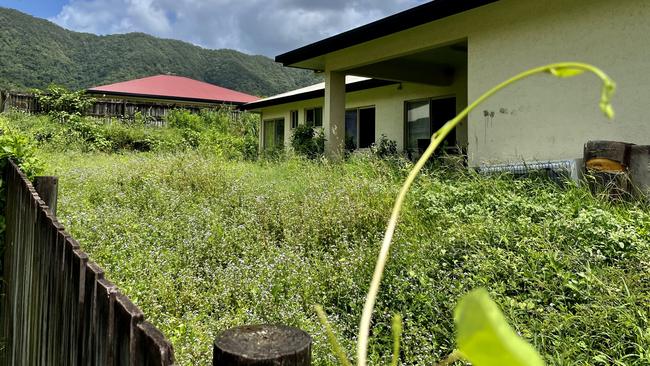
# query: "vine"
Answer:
x=483 y=335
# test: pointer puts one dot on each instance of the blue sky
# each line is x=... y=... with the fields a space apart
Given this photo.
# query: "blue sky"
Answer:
x=39 y=8
x=267 y=27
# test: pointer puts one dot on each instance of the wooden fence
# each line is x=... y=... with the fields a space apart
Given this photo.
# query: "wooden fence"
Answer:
x=21 y=101
x=58 y=309
x=104 y=109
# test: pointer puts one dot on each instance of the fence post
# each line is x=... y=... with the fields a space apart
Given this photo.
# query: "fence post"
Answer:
x=47 y=188
x=258 y=345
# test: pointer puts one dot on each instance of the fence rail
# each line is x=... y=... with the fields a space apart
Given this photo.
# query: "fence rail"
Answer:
x=58 y=309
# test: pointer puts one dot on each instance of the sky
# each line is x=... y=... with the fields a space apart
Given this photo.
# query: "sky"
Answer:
x=267 y=27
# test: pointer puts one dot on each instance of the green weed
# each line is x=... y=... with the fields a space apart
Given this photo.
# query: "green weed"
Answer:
x=202 y=244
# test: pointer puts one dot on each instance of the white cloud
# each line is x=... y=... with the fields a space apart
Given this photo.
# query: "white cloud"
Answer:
x=265 y=27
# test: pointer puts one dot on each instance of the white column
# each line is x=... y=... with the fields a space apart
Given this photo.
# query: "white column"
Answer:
x=334 y=114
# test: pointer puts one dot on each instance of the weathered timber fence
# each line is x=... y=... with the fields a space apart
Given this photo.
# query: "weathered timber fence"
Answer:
x=104 y=109
x=58 y=309
x=101 y=108
x=21 y=101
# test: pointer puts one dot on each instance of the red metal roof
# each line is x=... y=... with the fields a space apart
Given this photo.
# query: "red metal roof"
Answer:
x=174 y=87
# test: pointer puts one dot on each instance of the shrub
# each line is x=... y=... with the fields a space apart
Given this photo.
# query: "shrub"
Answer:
x=385 y=148
x=19 y=147
x=184 y=119
x=62 y=103
x=230 y=135
x=308 y=142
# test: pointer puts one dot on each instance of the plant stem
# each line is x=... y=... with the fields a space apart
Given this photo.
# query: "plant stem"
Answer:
x=397 y=336
x=331 y=337
x=436 y=139
x=453 y=357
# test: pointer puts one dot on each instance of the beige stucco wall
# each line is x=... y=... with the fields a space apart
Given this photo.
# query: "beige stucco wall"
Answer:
x=543 y=117
x=388 y=102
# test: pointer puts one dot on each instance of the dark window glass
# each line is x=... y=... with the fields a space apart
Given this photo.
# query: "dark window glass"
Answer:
x=294 y=119
x=366 y=127
x=309 y=117
x=318 y=117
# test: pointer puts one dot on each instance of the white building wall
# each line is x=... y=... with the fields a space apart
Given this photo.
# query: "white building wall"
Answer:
x=543 y=117
x=387 y=100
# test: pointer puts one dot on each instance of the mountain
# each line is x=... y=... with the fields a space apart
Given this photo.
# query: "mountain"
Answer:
x=35 y=53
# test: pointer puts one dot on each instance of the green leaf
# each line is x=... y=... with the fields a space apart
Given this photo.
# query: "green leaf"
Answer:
x=484 y=336
x=565 y=72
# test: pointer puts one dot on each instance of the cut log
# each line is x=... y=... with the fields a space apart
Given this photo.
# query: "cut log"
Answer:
x=639 y=170
x=262 y=345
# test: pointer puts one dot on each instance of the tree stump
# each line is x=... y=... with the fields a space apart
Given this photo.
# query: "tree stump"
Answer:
x=640 y=171
x=606 y=165
x=262 y=345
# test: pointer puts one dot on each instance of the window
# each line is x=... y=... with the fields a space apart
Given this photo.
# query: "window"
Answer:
x=314 y=117
x=274 y=134
x=294 y=119
x=359 y=128
x=423 y=118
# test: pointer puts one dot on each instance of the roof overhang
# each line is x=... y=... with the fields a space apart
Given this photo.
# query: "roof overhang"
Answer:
x=312 y=94
x=311 y=56
x=108 y=94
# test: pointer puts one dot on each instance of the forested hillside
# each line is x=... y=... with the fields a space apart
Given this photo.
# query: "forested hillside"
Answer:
x=35 y=52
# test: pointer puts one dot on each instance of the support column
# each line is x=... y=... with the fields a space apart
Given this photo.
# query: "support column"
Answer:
x=334 y=114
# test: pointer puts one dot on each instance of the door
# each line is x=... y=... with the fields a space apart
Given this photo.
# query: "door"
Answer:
x=423 y=118
x=359 y=128
x=366 y=127
x=274 y=134
x=443 y=110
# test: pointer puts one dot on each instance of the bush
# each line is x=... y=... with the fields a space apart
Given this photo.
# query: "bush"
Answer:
x=308 y=142
x=184 y=119
x=19 y=147
x=385 y=148
x=62 y=103
x=218 y=131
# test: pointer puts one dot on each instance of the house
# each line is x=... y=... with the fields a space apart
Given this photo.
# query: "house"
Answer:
x=435 y=58
x=155 y=95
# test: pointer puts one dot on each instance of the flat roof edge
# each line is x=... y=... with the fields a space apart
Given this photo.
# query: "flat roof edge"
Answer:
x=352 y=87
x=426 y=13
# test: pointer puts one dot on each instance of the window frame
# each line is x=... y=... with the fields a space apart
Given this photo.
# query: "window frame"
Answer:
x=407 y=148
x=316 y=122
x=293 y=119
x=275 y=121
x=358 y=123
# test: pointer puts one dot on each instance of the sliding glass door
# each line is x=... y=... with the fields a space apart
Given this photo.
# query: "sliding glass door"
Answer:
x=423 y=118
x=359 y=128
x=274 y=134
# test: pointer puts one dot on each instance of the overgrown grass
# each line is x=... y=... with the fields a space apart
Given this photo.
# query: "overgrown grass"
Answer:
x=212 y=131
x=202 y=244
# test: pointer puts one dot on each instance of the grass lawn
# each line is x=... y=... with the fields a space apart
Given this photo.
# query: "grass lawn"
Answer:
x=202 y=244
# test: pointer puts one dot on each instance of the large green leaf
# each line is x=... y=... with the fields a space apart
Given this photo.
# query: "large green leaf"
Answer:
x=484 y=336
